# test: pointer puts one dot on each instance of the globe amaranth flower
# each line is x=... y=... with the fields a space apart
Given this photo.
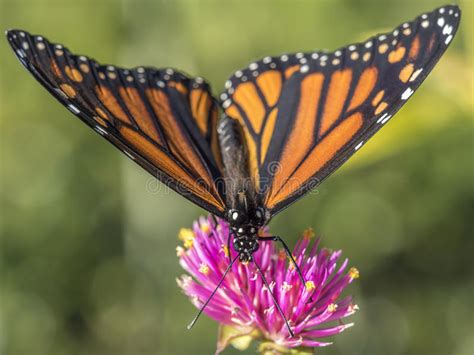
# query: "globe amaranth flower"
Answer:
x=243 y=306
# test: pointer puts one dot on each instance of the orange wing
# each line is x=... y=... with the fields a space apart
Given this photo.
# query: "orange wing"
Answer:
x=162 y=119
x=305 y=114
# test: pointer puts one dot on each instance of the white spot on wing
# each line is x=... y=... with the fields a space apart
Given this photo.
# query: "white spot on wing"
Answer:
x=447 y=30
x=381 y=118
x=415 y=74
x=448 y=39
x=253 y=66
x=407 y=93
x=25 y=45
x=128 y=155
x=73 y=109
x=440 y=22
x=386 y=119
x=304 y=69
x=101 y=131
x=226 y=103
x=358 y=145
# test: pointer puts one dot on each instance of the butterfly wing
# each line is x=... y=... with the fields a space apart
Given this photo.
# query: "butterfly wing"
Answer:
x=306 y=114
x=162 y=119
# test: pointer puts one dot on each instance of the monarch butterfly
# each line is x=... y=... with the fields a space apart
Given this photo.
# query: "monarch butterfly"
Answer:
x=288 y=122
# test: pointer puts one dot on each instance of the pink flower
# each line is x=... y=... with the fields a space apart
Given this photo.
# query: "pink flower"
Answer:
x=243 y=305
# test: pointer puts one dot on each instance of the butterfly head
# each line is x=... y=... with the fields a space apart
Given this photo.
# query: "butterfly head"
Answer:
x=245 y=226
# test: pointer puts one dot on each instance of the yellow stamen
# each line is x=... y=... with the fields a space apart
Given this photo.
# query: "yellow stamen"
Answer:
x=185 y=233
x=204 y=269
x=309 y=285
x=332 y=307
x=291 y=266
x=225 y=250
x=353 y=273
x=187 y=236
x=205 y=228
x=308 y=233
x=188 y=244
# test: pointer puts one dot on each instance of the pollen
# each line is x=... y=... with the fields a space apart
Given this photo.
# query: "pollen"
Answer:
x=353 y=273
x=332 y=308
x=204 y=269
x=291 y=266
x=309 y=285
x=205 y=228
x=187 y=236
x=308 y=233
x=224 y=250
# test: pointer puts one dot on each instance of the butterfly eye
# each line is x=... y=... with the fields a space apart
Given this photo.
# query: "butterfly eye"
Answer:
x=259 y=216
x=235 y=217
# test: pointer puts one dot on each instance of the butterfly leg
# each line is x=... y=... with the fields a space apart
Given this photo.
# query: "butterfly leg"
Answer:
x=214 y=218
x=228 y=244
x=275 y=238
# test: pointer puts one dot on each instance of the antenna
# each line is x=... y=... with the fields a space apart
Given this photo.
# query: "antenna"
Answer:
x=212 y=294
x=274 y=299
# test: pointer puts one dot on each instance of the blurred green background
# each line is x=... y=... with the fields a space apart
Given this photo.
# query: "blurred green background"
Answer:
x=88 y=238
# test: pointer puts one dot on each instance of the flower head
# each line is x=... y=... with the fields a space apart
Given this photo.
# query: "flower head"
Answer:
x=243 y=304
